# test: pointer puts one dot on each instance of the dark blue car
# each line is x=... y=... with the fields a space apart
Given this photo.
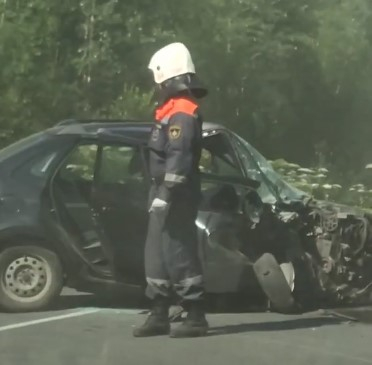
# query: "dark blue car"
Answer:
x=73 y=212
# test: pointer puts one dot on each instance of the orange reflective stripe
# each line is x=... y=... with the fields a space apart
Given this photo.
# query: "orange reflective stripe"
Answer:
x=164 y=110
x=173 y=106
x=183 y=106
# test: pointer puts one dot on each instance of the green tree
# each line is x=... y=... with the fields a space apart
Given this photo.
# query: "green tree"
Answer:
x=292 y=76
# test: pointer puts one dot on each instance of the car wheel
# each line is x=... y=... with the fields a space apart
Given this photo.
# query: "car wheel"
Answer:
x=31 y=278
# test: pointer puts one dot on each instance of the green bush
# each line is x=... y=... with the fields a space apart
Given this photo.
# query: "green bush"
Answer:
x=318 y=182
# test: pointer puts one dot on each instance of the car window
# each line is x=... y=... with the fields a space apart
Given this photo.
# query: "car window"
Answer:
x=258 y=168
x=39 y=160
x=254 y=172
x=21 y=145
x=120 y=164
x=80 y=164
x=41 y=166
x=217 y=157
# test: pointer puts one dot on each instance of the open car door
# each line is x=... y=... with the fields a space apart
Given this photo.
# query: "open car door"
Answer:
x=79 y=224
x=100 y=194
x=119 y=197
x=224 y=186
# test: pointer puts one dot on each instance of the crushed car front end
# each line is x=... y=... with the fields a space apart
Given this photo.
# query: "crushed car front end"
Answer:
x=324 y=249
x=338 y=240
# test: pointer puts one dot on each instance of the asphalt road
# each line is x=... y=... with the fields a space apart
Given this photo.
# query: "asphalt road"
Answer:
x=83 y=331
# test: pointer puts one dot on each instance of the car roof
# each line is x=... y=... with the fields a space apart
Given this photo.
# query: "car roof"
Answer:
x=120 y=126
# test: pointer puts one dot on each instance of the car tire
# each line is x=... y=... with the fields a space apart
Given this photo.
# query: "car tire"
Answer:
x=274 y=283
x=31 y=278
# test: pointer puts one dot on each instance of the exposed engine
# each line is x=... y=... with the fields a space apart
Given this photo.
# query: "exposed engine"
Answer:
x=341 y=250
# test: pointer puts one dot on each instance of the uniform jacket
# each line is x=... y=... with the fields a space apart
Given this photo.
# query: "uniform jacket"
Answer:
x=175 y=148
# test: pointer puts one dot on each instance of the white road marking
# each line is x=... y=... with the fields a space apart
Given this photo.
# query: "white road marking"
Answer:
x=123 y=311
x=48 y=319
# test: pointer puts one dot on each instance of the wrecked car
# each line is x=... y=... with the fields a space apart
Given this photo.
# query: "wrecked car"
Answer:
x=73 y=213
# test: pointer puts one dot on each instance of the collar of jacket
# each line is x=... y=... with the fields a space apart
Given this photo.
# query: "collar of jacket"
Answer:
x=173 y=106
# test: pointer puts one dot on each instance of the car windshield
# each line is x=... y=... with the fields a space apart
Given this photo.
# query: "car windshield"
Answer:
x=273 y=187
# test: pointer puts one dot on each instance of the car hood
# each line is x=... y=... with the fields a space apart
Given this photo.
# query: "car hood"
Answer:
x=342 y=210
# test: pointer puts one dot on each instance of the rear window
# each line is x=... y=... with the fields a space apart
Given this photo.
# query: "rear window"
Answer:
x=21 y=145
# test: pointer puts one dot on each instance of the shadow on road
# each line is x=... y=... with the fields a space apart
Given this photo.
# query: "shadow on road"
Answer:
x=215 y=304
x=286 y=325
x=101 y=301
x=135 y=299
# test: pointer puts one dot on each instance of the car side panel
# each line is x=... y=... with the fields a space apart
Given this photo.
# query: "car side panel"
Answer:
x=25 y=207
x=226 y=269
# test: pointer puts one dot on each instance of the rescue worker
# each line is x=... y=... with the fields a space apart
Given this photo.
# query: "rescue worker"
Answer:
x=172 y=265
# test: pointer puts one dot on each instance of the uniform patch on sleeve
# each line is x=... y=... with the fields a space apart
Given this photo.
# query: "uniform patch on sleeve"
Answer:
x=174 y=132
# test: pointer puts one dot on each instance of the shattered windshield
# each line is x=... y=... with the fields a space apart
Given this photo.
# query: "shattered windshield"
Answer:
x=273 y=187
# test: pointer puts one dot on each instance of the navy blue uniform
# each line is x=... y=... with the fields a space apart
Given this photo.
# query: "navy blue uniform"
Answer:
x=171 y=252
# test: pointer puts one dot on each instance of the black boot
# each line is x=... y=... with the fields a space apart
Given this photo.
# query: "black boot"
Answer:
x=157 y=323
x=195 y=324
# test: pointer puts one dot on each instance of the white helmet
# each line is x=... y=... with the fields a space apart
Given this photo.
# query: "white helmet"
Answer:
x=171 y=61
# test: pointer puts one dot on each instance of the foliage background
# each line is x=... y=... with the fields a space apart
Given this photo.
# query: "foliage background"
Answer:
x=294 y=77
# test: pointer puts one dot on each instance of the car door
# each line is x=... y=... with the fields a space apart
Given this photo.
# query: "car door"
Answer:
x=223 y=189
x=79 y=224
x=119 y=197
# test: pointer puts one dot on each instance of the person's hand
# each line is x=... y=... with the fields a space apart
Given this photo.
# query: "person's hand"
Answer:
x=158 y=205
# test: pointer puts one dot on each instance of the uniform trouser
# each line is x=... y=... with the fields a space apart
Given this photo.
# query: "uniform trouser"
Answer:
x=171 y=252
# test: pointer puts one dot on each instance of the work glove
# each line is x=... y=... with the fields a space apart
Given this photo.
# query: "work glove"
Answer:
x=158 y=205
